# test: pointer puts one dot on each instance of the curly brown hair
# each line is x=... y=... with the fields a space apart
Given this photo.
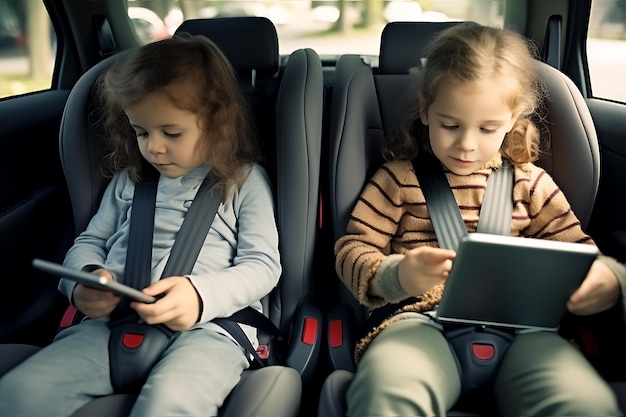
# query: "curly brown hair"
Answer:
x=194 y=73
x=468 y=52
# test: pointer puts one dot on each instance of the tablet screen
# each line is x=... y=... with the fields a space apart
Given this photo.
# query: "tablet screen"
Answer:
x=513 y=281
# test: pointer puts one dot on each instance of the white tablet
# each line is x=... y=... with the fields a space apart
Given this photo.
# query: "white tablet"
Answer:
x=92 y=280
x=513 y=282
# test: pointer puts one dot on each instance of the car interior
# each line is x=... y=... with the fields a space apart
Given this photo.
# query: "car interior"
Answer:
x=81 y=150
x=322 y=119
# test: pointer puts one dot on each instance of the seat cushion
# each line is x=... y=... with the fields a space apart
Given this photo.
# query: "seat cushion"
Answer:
x=13 y=354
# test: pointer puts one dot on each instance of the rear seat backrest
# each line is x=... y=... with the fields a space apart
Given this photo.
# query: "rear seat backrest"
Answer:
x=287 y=106
x=401 y=49
x=367 y=104
x=251 y=45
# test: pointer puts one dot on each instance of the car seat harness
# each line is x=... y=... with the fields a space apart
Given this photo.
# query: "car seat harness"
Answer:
x=134 y=346
x=477 y=349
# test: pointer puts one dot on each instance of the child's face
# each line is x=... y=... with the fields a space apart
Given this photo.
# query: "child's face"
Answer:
x=467 y=125
x=167 y=135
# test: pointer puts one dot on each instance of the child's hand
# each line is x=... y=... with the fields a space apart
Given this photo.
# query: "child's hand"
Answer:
x=93 y=302
x=598 y=292
x=178 y=309
x=424 y=267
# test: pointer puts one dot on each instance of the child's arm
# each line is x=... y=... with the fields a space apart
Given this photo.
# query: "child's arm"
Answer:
x=549 y=214
x=91 y=247
x=411 y=274
x=253 y=268
x=366 y=247
x=552 y=218
x=601 y=289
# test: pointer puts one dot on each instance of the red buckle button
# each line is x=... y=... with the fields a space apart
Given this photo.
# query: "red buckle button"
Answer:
x=309 y=332
x=132 y=340
x=335 y=333
x=484 y=352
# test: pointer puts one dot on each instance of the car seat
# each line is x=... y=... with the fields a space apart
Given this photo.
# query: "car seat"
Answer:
x=291 y=102
x=367 y=103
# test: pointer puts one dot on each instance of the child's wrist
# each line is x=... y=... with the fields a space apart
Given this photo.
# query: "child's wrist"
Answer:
x=387 y=279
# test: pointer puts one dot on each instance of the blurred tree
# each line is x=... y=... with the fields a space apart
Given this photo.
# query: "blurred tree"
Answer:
x=362 y=13
x=38 y=39
x=343 y=23
x=190 y=8
x=372 y=13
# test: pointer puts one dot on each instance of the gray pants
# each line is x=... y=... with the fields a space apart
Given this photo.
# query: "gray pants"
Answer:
x=193 y=377
x=409 y=370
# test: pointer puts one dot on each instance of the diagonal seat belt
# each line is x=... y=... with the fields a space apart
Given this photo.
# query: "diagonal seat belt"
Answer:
x=477 y=373
x=139 y=252
x=495 y=212
x=183 y=256
x=186 y=247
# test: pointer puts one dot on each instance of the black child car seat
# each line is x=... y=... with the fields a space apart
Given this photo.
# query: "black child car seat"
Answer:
x=367 y=103
x=287 y=103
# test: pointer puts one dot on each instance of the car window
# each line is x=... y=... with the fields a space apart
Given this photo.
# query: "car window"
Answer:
x=330 y=27
x=606 y=49
x=26 y=60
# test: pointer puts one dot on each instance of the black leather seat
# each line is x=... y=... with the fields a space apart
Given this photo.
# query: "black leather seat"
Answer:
x=367 y=103
x=287 y=103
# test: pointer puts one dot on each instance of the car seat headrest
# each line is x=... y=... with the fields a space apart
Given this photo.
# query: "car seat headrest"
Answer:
x=402 y=44
x=250 y=42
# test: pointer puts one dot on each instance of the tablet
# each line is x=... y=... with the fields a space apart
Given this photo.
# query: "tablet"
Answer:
x=513 y=282
x=92 y=280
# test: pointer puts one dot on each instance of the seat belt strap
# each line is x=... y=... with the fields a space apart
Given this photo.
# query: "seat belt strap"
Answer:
x=496 y=209
x=444 y=212
x=187 y=246
x=238 y=334
x=497 y=206
x=194 y=230
x=184 y=254
x=185 y=251
x=139 y=252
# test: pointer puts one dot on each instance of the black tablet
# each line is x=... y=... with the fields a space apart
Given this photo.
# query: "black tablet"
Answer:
x=92 y=280
x=513 y=282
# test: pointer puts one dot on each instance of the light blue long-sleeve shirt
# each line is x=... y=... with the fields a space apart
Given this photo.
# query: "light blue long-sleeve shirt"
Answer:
x=238 y=264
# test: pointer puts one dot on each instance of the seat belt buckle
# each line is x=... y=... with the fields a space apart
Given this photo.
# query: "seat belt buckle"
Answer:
x=134 y=348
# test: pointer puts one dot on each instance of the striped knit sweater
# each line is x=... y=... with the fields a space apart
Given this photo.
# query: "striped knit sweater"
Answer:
x=391 y=217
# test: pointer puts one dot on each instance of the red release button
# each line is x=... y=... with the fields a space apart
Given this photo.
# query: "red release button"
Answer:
x=483 y=352
x=132 y=340
x=309 y=332
x=335 y=333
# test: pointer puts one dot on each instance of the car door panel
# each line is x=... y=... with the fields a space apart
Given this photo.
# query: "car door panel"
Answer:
x=608 y=224
x=35 y=216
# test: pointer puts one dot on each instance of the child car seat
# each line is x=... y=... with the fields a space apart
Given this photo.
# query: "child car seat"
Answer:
x=367 y=103
x=291 y=135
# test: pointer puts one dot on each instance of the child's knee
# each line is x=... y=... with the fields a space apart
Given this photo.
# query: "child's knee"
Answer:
x=596 y=400
x=14 y=393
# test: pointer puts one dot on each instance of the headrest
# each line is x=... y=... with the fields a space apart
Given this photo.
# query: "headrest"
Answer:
x=402 y=44
x=250 y=42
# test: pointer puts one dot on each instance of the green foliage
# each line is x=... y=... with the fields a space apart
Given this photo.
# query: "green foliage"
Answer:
x=13 y=85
